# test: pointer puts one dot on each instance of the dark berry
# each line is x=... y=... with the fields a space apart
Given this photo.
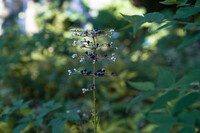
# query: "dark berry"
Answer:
x=95 y=30
x=88 y=42
x=85 y=70
x=92 y=86
x=93 y=52
x=103 y=70
x=105 y=55
x=97 y=44
x=99 y=32
x=81 y=71
x=99 y=74
x=95 y=73
x=113 y=73
x=86 y=52
x=92 y=56
x=108 y=45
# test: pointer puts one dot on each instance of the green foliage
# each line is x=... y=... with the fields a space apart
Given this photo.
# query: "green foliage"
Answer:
x=144 y=86
x=166 y=79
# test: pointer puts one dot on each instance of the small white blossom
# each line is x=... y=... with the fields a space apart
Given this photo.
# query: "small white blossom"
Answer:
x=70 y=72
x=112 y=30
x=85 y=90
x=74 y=44
x=74 y=55
x=113 y=54
x=94 y=61
x=78 y=42
x=72 y=36
x=75 y=70
x=113 y=58
x=82 y=59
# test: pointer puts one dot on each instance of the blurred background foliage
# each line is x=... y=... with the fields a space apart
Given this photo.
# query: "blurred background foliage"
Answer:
x=36 y=93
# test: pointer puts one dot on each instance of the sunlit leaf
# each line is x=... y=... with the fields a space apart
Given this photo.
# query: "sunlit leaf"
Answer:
x=166 y=25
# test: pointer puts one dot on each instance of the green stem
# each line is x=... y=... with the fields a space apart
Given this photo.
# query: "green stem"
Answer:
x=94 y=96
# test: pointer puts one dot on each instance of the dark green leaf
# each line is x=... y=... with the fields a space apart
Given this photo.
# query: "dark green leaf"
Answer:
x=166 y=25
x=197 y=3
x=20 y=128
x=153 y=17
x=186 y=101
x=187 y=130
x=186 y=118
x=161 y=119
x=140 y=98
x=185 y=12
x=166 y=79
x=190 y=39
x=189 y=78
x=189 y=26
x=163 y=129
x=136 y=26
x=161 y=101
x=142 y=85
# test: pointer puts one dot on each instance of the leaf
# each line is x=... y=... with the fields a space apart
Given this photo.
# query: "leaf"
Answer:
x=185 y=12
x=161 y=119
x=166 y=25
x=197 y=3
x=189 y=26
x=165 y=79
x=169 y=2
x=162 y=101
x=133 y=18
x=20 y=128
x=189 y=78
x=163 y=129
x=186 y=101
x=142 y=85
x=186 y=118
x=126 y=27
x=136 y=26
x=153 y=17
x=190 y=39
x=140 y=98
x=187 y=130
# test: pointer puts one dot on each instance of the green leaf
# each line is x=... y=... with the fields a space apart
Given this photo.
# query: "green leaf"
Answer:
x=166 y=25
x=126 y=27
x=161 y=119
x=140 y=98
x=163 y=129
x=20 y=128
x=186 y=118
x=136 y=26
x=186 y=101
x=190 y=39
x=197 y=3
x=189 y=26
x=189 y=78
x=153 y=17
x=162 y=101
x=187 y=130
x=185 y=12
x=165 y=79
x=133 y=18
x=169 y=2
x=144 y=86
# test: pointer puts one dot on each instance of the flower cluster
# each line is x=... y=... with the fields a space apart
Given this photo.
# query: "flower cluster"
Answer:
x=91 y=47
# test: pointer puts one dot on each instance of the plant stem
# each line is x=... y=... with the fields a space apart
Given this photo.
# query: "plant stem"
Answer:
x=94 y=96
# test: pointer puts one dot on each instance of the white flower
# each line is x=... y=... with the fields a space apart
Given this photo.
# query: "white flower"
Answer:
x=75 y=70
x=82 y=59
x=72 y=36
x=78 y=42
x=70 y=72
x=112 y=30
x=74 y=55
x=85 y=90
x=113 y=54
x=113 y=58
x=74 y=44
x=94 y=61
